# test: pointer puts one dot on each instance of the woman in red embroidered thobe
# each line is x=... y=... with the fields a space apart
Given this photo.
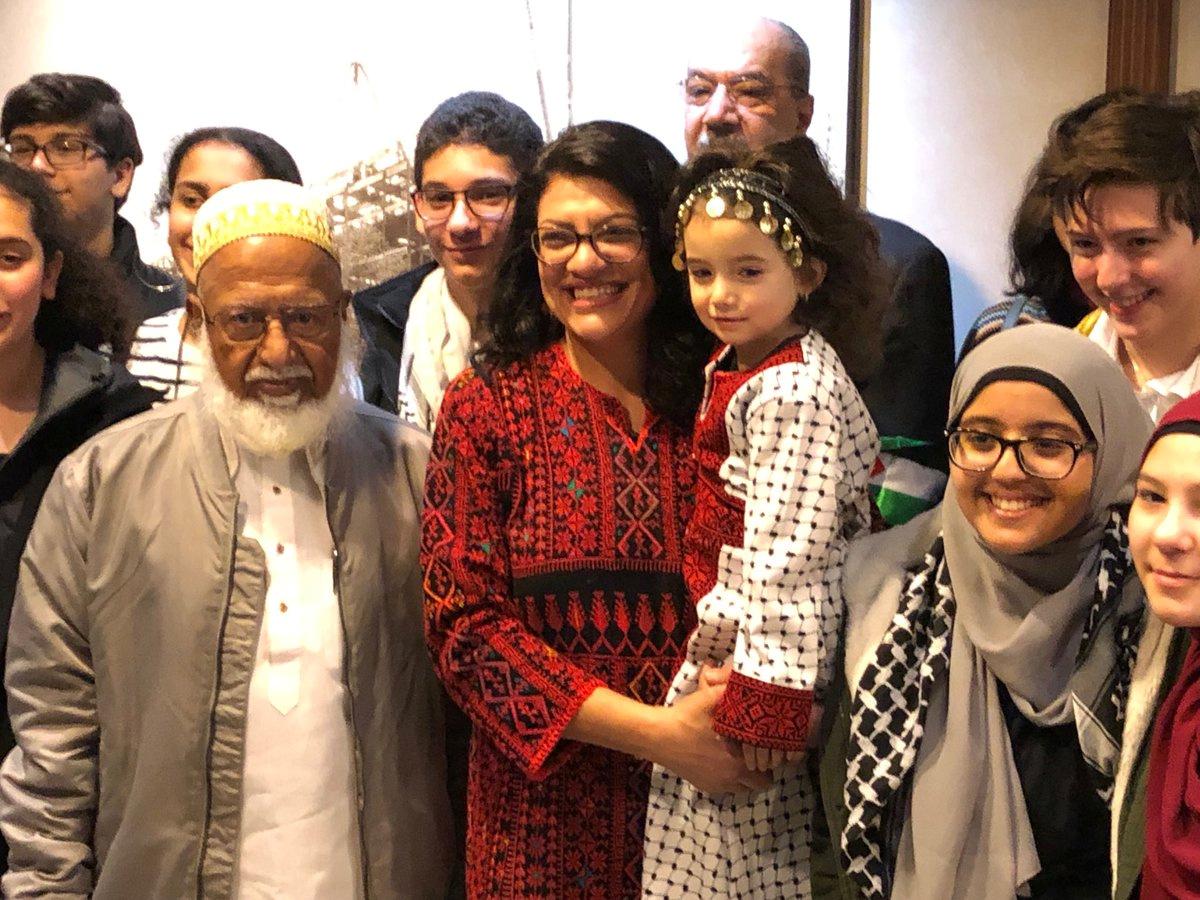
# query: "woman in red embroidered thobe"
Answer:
x=784 y=446
x=556 y=495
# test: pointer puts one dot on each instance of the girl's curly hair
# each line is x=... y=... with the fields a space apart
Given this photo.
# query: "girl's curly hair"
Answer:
x=849 y=308
x=91 y=305
x=518 y=322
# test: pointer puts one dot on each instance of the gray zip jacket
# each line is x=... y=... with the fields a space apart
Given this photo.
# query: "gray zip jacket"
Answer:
x=131 y=649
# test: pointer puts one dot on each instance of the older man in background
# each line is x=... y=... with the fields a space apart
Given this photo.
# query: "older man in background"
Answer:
x=217 y=673
x=747 y=85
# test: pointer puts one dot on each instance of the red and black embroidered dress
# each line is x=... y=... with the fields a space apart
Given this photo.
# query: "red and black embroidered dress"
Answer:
x=552 y=548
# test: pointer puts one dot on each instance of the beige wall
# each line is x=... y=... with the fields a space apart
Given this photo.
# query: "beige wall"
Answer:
x=1187 y=58
x=960 y=95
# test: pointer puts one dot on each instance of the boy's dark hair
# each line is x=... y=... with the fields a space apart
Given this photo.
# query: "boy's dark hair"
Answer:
x=90 y=306
x=479 y=117
x=849 y=307
x=272 y=158
x=1134 y=139
x=518 y=323
x=54 y=97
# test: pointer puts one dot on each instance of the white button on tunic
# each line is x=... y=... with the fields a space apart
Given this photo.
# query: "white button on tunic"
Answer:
x=299 y=804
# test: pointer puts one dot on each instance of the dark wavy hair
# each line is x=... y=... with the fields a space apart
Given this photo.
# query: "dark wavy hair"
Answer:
x=90 y=306
x=58 y=98
x=849 y=308
x=479 y=117
x=518 y=322
x=1130 y=139
x=272 y=158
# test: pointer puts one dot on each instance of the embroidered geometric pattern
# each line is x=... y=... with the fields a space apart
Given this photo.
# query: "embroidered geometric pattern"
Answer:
x=762 y=714
x=888 y=717
x=784 y=454
x=552 y=550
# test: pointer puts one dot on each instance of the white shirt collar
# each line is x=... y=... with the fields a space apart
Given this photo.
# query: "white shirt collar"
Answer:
x=314 y=455
x=1156 y=395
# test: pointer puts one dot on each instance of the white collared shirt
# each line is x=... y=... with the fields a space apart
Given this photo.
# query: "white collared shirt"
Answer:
x=299 y=836
x=1157 y=395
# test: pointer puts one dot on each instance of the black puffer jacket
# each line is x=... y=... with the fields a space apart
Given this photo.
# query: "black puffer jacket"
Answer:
x=84 y=393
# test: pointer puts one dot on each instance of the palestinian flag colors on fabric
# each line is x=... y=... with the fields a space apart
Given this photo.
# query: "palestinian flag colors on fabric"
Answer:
x=901 y=488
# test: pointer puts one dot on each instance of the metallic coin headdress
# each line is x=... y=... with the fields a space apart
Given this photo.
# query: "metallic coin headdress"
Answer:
x=746 y=195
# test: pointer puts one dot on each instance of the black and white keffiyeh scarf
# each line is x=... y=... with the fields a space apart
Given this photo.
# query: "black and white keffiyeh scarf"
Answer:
x=893 y=695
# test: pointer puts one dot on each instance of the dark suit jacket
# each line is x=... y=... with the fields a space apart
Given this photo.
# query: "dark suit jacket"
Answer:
x=910 y=394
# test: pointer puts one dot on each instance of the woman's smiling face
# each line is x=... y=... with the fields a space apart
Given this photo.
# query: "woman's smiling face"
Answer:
x=596 y=300
x=1012 y=511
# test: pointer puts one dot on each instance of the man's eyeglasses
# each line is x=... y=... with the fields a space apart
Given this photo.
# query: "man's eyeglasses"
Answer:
x=487 y=200
x=245 y=324
x=62 y=151
x=748 y=92
x=1041 y=457
x=555 y=245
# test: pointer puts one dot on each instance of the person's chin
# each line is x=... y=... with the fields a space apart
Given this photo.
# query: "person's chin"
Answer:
x=1179 y=609
x=1008 y=536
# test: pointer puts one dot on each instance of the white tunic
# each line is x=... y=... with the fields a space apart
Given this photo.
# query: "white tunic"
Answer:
x=299 y=835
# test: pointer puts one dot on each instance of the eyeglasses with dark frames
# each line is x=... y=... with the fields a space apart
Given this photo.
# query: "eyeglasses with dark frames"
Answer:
x=1040 y=457
x=555 y=245
x=486 y=200
x=244 y=325
x=63 y=151
x=749 y=92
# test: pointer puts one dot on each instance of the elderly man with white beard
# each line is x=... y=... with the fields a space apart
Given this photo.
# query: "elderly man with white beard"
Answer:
x=216 y=671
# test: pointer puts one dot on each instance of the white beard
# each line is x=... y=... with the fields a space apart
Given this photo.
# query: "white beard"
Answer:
x=279 y=429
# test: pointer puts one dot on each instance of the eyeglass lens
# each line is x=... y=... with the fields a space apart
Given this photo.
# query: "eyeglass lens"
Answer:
x=487 y=201
x=1040 y=457
x=615 y=243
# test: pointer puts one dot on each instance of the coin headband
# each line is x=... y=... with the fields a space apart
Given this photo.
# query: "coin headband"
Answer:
x=744 y=195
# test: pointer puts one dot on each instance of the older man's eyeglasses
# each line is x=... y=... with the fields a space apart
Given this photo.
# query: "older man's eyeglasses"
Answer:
x=1040 y=457
x=748 y=92
x=63 y=151
x=246 y=324
x=555 y=245
x=486 y=200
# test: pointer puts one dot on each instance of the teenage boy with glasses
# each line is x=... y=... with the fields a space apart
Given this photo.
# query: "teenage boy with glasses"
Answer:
x=420 y=326
x=73 y=131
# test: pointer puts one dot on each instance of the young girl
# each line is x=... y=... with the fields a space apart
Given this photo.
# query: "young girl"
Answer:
x=785 y=273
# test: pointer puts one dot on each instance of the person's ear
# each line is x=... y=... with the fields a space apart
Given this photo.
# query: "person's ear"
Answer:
x=804 y=113
x=50 y=275
x=122 y=174
x=809 y=276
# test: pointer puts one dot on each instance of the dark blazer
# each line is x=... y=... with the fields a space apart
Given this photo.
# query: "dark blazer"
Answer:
x=909 y=395
x=382 y=313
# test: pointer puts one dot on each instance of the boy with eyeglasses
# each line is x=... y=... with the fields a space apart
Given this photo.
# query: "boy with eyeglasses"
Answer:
x=73 y=131
x=420 y=326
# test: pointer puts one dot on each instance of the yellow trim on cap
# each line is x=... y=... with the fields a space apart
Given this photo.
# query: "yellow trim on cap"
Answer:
x=262 y=218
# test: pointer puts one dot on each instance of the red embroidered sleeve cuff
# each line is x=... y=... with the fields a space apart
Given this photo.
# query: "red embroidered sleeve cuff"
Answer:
x=763 y=714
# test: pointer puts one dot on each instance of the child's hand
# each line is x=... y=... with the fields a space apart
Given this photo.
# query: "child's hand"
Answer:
x=765 y=759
